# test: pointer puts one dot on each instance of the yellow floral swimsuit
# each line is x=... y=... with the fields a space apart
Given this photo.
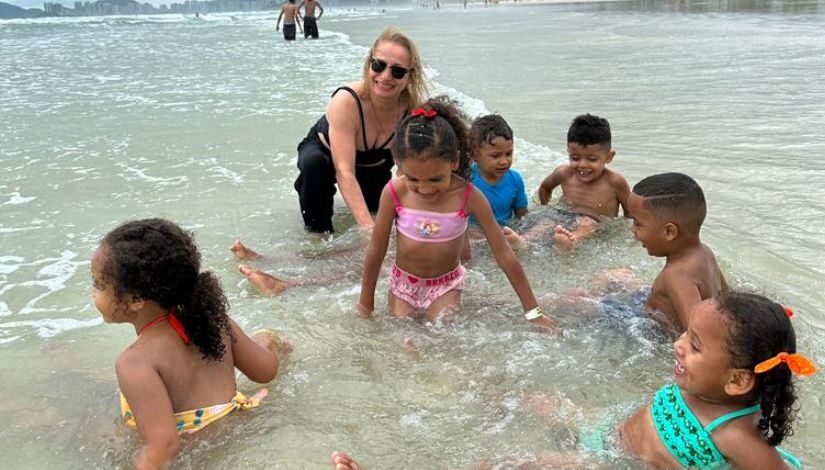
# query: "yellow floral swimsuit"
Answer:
x=194 y=420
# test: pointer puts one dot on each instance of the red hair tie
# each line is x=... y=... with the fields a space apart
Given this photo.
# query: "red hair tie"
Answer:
x=788 y=311
x=427 y=113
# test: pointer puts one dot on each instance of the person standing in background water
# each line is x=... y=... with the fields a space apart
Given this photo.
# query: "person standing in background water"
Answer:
x=310 y=20
x=292 y=18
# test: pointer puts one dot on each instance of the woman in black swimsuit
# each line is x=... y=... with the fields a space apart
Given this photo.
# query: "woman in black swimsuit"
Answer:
x=349 y=145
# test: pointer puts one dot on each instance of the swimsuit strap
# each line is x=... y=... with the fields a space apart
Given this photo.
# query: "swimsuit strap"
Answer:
x=173 y=322
x=461 y=211
x=153 y=323
x=395 y=199
x=360 y=111
x=732 y=415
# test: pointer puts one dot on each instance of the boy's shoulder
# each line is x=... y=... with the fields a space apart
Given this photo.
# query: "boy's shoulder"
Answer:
x=562 y=172
x=692 y=264
x=614 y=177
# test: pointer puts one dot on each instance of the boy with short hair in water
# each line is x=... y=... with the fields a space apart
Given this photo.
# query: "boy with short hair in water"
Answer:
x=588 y=186
x=667 y=211
x=292 y=18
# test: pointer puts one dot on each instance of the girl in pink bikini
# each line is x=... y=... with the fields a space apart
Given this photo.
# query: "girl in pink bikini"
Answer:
x=429 y=205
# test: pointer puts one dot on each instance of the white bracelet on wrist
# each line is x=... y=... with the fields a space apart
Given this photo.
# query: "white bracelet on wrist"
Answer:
x=533 y=314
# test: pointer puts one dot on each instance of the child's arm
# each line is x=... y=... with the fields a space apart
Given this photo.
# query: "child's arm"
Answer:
x=376 y=251
x=255 y=360
x=622 y=191
x=278 y=24
x=506 y=259
x=550 y=183
x=151 y=406
x=322 y=11
x=683 y=294
x=520 y=202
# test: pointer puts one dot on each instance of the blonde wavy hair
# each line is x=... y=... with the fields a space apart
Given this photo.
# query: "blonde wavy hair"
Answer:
x=416 y=92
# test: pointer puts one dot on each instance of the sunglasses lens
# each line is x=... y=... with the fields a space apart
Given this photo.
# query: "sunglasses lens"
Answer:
x=378 y=65
x=398 y=72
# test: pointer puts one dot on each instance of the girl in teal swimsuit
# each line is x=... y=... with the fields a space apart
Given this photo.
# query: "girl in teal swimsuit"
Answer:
x=731 y=403
x=732 y=399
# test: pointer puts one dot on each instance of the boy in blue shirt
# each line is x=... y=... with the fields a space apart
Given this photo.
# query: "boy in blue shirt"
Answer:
x=491 y=141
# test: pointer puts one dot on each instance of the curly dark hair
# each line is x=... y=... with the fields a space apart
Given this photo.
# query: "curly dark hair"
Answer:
x=759 y=330
x=487 y=128
x=443 y=136
x=587 y=129
x=155 y=259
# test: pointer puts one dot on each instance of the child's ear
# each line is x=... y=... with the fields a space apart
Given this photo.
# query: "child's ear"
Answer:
x=135 y=305
x=610 y=155
x=456 y=162
x=671 y=231
x=741 y=382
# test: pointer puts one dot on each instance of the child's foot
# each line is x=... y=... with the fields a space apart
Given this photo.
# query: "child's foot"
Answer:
x=564 y=239
x=267 y=283
x=342 y=461
x=242 y=252
x=516 y=241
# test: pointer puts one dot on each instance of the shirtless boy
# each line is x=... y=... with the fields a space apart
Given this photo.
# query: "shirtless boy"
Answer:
x=668 y=210
x=310 y=20
x=588 y=187
x=289 y=10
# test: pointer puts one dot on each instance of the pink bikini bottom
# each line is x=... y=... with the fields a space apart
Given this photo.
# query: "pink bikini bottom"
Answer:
x=419 y=292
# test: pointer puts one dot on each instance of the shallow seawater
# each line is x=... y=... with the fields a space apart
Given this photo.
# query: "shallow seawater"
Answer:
x=108 y=119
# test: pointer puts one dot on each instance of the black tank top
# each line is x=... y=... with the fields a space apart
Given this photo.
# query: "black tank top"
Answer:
x=372 y=156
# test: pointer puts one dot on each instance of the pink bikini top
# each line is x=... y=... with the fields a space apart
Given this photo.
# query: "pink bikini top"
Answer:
x=432 y=227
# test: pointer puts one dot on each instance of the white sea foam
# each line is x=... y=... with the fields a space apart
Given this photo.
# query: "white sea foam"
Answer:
x=53 y=277
x=16 y=198
x=157 y=180
x=50 y=327
x=10 y=264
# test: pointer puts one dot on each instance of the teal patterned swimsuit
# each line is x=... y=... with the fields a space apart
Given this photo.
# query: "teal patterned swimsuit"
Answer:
x=685 y=437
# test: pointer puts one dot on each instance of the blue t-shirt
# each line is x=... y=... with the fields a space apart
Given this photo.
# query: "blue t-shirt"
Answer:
x=505 y=196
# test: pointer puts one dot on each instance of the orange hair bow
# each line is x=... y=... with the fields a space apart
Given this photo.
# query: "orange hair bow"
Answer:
x=796 y=362
x=427 y=113
x=788 y=311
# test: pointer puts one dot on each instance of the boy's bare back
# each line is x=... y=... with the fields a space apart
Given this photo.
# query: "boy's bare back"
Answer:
x=688 y=278
x=290 y=11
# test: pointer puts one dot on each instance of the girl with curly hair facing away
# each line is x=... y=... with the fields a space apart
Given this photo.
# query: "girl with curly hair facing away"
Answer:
x=429 y=205
x=179 y=374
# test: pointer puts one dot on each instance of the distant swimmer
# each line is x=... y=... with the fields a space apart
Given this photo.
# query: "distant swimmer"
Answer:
x=292 y=18
x=310 y=20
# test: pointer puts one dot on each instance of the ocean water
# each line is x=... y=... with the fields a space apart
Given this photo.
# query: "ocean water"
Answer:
x=108 y=119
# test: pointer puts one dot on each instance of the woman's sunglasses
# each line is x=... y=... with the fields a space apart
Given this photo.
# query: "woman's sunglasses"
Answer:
x=398 y=72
